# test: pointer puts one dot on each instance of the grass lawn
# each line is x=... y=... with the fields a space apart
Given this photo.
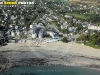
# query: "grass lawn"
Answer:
x=81 y=16
x=91 y=45
x=97 y=47
x=68 y=2
x=79 y=42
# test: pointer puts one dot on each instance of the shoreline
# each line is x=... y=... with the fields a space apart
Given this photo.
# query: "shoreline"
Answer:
x=15 y=55
x=49 y=62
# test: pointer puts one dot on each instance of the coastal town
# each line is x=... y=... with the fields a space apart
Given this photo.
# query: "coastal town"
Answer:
x=57 y=20
x=65 y=32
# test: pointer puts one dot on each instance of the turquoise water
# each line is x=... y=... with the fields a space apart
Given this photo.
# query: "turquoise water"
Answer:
x=50 y=70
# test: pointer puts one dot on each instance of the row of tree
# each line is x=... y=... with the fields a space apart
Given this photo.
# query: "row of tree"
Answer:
x=93 y=39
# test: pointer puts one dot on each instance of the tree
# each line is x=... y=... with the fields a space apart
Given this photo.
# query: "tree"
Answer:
x=83 y=37
x=95 y=18
x=79 y=26
x=95 y=42
x=65 y=31
x=65 y=39
x=94 y=39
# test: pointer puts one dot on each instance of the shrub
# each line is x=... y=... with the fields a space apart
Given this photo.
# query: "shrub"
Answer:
x=23 y=36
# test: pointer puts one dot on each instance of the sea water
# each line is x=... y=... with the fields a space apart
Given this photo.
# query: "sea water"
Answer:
x=50 y=70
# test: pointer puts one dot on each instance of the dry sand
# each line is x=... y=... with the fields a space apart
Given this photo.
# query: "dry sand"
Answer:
x=73 y=47
x=70 y=47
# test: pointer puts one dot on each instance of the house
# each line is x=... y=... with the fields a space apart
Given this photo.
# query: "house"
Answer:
x=64 y=26
x=22 y=17
x=34 y=35
x=87 y=31
x=13 y=33
x=31 y=26
x=78 y=22
x=16 y=27
x=56 y=35
x=85 y=24
x=74 y=20
x=14 y=22
x=40 y=34
x=17 y=32
x=94 y=27
x=1 y=34
x=72 y=29
x=37 y=30
x=40 y=25
x=13 y=17
x=52 y=34
x=67 y=16
x=1 y=39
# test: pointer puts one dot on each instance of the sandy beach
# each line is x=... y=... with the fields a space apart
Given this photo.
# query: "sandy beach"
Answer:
x=56 y=53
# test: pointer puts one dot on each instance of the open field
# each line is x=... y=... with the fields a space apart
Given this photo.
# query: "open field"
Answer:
x=80 y=16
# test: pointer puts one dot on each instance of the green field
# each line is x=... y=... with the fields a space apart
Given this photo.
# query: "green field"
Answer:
x=80 y=16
